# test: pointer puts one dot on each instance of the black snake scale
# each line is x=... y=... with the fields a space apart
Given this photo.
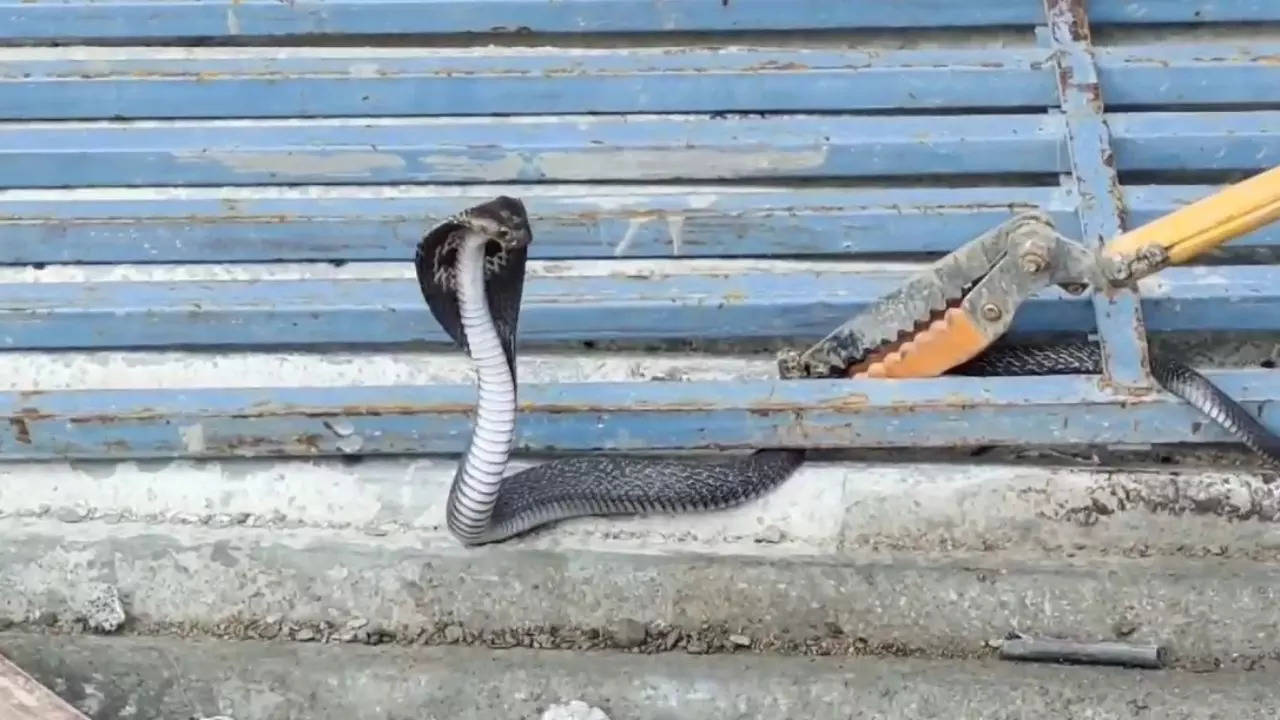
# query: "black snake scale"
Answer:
x=1174 y=376
x=470 y=269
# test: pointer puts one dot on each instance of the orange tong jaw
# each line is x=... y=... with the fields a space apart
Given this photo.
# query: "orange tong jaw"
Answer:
x=942 y=316
x=951 y=340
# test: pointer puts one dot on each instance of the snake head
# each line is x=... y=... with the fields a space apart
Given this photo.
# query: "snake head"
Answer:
x=503 y=220
x=504 y=225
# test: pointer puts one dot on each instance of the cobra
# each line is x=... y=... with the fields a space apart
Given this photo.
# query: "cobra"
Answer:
x=471 y=267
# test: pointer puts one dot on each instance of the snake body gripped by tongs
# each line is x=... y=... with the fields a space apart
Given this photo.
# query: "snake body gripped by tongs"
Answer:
x=470 y=269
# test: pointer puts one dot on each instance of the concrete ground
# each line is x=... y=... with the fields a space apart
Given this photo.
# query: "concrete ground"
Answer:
x=920 y=559
x=150 y=678
x=257 y=589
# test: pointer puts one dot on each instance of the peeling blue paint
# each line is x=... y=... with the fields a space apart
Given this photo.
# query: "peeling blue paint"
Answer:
x=545 y=149
x=595 y=221
x=58 y=19
x=148 y=83
x=645 y=148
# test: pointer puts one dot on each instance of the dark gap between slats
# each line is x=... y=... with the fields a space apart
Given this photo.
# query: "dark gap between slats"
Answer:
x=905 y=38
x=1271 y=103
x=941 y=180
x=1186 y=177
x=1106 y=35
x=247 y=114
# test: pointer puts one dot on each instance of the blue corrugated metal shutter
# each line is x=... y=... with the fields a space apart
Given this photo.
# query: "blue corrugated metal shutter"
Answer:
x=208 y=179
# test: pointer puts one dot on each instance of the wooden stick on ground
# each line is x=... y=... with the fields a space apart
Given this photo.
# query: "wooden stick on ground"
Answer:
x=22 y=698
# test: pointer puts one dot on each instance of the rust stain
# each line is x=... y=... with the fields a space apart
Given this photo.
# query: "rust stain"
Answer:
x=569 y=409
x=755 y=408
x=108 y=418
x=849 y=403
x=379 y=410
x=21 y=431
x=267 y=409
x=774 y=65
x=30 y=413
x=269 y=446
x=310 y=441
x=852 y=401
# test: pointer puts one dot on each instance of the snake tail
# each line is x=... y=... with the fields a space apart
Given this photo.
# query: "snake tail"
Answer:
x=1172 y=374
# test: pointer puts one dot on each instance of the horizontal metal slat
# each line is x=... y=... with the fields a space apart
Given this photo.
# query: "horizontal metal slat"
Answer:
x=627 y=301
x=612 y=416
x=251 y=18
x=569 y=221
x=149 y=82
x=527 y=149
x=622 y=148
x=93 y=83
x=1172 y=141
x=556 y=308
x=359 y=223
x=1240 y=73
x=116 y=19
x=1194 y=12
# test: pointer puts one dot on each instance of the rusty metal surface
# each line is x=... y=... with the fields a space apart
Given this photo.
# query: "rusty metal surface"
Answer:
x=611 y=416
x=23 y=698
x=1121 y=330
x=902 y=313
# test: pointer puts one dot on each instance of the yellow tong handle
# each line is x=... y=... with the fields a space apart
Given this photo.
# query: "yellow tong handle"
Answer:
x=1209 y=222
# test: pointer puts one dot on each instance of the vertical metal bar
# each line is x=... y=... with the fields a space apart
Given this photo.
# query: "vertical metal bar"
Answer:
x=1121 y=330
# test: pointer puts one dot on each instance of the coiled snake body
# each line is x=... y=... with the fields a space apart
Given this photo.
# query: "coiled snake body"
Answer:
x=470 y=269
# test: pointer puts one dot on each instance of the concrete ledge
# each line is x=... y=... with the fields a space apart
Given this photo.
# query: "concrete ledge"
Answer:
x=309 y=584
x=145 y=679
x=826 y=508
x=920 y=559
